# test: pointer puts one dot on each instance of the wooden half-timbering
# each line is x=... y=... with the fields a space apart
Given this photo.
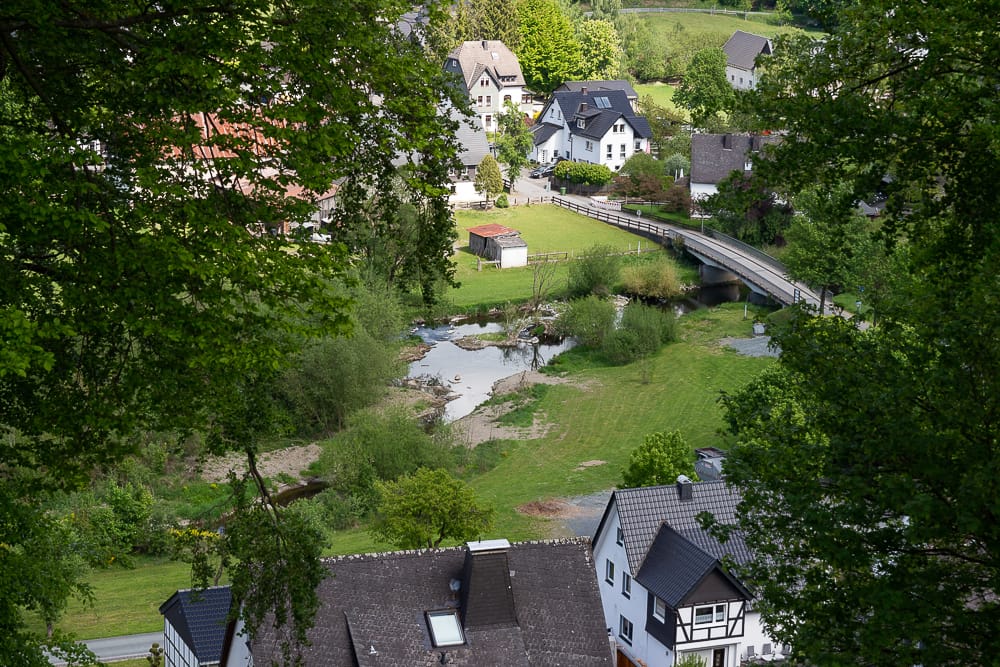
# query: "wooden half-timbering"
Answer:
x=710 y=621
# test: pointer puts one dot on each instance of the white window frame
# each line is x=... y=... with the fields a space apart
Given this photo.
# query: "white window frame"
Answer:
x=659 y=610
x=489 y=100
x=609 y=571
x=716 y=614
x=609 y=150
x=622 y=152
x=627 y=585
x=448 y=624
x=589 y=146
x=620 y=537
x=625 y=630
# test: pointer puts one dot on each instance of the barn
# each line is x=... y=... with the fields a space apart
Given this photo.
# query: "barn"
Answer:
x=499 y=244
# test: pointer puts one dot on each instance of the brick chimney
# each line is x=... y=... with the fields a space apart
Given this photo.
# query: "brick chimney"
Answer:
x=583 y=90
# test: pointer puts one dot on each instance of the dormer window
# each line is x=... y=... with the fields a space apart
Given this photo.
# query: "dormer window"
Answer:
x=580 y=123
x=445 y=628
x=748 y=165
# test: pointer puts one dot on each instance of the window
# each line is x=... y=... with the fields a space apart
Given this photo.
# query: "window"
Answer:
x=489 y=121
x=589 y=145
x=506 y=98
x=741 y=80
x=485 y=81
x=638 y=145
x=710 y=614
x=525 y=99
x=625 y=629
x=618 y=128
x=620 y=538
x=609 y=571
x=626 y=585
x=748 y=165
x=489 y=100
x=580 y=123
x=659 y=610
x=621 y=153
x=445 y=628
x=609 y=151
x=479 y=100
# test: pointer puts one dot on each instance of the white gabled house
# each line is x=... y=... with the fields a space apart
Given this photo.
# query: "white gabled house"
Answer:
x=492 y=76
x=595 y=126
x=664 y=589
x=742 y=51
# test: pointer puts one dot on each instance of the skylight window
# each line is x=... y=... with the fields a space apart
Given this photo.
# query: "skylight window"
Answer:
x=445 y=628
x=602 y=103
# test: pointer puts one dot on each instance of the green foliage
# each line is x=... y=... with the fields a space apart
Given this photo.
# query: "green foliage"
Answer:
x=549 y=52
x=513 y=141
x=641 y=176
x=501 y=201
x=653 y=280
x=489 y=180
x=867 y=467
x=109 y=527
x=692 y=660
x=677 y=165
x=660 y=458
x=594 y=271
x=645 y=54
x=590 y=320
x=744 y=207
x=704 y=91
x=600 y=50
x=583 y=173
x=424 y=509
x=525 y=404
x=146 y=282
x=642 y=331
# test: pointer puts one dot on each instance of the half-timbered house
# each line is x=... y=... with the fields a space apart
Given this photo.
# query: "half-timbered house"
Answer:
x=665 y=591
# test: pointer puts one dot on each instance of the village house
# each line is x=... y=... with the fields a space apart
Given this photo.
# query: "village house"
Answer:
x=492 y=76
x=489 y=603
x=715 y=156
x=742 y=51
x=665 y=591
x=585 y=125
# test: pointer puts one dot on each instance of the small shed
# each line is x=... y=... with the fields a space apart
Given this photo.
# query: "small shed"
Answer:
x=499 y=244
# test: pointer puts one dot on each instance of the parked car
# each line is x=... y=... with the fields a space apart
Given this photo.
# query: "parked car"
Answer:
x=543 y=171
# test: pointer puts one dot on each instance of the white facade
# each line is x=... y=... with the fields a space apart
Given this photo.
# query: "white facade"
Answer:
x=741 y=79
x=721 y=634
x=176 y=652
x=487 y=97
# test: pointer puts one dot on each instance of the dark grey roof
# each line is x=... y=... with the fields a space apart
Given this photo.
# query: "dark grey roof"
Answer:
x=471 y=59
x=473 y=146
x=641 y=512
x=599 y=115
x=377 y=602
x=715 y=156
x=673 y=566
x=592 y=86
x=543 y=132
x=743 y=48
x=510 y=241
x=200 y=619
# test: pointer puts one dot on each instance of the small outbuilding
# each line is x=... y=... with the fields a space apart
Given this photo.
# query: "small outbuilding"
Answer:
x=499 y=244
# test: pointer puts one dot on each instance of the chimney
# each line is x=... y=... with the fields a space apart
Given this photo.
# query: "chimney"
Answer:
x=685 y=490
x=583 y=90
x=487 y=596
x=727 y=142
x=583 y=106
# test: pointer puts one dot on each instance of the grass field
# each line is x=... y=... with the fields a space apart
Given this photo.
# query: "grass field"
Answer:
x=662 y=94
x=546 y=229
x=711 y=29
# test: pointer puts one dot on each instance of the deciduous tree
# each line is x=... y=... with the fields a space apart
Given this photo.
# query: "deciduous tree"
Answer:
x=549 y=52
x=704 y=90
x=868 y=466
x=513 y=141
x=660 y=458
x=600 y=50
x=426 y=508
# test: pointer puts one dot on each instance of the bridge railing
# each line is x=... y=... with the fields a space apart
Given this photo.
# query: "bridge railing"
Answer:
x=748 y=249
x=612 y=217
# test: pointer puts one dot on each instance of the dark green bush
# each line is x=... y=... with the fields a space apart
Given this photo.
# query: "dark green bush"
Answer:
x=502 y=201
x=595 y=271
x=589 y=320
x=642 y=331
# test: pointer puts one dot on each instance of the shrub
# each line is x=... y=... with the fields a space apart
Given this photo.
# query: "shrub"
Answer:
x=659 y=460
x=502 y=201
x=642 y=331
x=652 y=280
x=589 y=320
x=583 y=173
x=595 y=271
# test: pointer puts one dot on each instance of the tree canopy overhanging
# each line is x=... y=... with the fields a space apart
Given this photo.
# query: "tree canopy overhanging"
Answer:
x=150 y=154
x=868 y=459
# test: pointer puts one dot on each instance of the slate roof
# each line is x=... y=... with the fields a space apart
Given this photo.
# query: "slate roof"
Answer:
x=743 y=48
x=591 y=86
x=712 y=161
x=377 y=602
x=642 y=511
x=543 y=132
x=471 y=59
x=673 y=566
x=200 y=620
x=600 y=114
x=472 y=143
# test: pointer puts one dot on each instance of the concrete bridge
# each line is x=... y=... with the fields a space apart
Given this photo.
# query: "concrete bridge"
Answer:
x=722 y=257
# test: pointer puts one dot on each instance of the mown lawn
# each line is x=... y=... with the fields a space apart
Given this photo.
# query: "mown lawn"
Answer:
x=546 y=229
x=662 y=94
x=711 y=29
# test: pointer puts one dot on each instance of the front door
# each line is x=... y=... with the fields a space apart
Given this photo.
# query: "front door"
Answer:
x=719 y=657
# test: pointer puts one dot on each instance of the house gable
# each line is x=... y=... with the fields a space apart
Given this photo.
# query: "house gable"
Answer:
x=195 y=626
x=743 y=48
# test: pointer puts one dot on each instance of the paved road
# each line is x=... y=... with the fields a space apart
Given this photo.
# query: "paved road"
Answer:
x=111 y=649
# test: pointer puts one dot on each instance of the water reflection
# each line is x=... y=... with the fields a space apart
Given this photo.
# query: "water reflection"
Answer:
x=472 y=373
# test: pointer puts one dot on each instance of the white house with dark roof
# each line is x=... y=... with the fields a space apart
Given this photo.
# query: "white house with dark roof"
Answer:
x=197 y=630
x=492 y=76
x=715 y=156
x=742 y=51
x=585 y=125
x=665 y=591
x=596 y=86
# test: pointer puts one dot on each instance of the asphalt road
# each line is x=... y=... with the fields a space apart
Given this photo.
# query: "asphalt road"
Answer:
x=111 y=649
